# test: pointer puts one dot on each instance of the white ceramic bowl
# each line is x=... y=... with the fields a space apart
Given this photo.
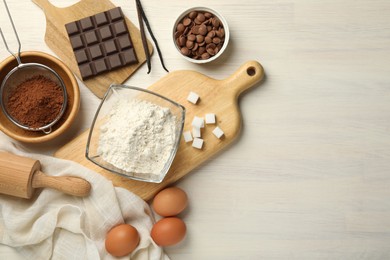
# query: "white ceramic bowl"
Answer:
x=221 y=19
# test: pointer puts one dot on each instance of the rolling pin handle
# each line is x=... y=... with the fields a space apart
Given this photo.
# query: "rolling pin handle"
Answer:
x=70 y=185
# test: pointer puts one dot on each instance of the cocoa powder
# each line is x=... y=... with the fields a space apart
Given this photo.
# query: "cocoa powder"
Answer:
x=35 y=102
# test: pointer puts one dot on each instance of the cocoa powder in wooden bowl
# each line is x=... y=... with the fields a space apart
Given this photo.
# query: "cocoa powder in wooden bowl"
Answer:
x=72 y=106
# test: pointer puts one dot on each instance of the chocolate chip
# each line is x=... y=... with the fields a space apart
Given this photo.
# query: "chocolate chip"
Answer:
x=216 y=40
x=211 y=34
x=187 y=22
x=215 y=22
x=208 y=15
x=189 y=44
x=205 y=56
x=180 y=27
x=195 y=29
x=185 y=51
x=203 y=29
x=201 y=17
x=211 y=46
x=201 y=50
x=197 y=21
x=193 y=15
x=210 y=51
x=191 y=37
x=220 y=33
x=182 y=40
x=199 y=38
x=208 y=39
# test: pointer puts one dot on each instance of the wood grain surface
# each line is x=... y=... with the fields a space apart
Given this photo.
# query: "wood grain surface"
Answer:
x=16 y=175
x=57 y=39
x=20 y=176
x=74 y=186
x=216 y=96
x=308 y=176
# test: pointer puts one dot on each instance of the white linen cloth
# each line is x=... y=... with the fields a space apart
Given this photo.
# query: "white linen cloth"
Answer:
x=54 y=225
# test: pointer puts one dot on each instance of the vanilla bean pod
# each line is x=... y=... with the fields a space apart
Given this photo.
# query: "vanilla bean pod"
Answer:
x=143 y=38
x=140 y=10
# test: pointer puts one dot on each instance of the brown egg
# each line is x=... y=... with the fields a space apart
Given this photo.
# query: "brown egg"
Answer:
x=168 y=231
x=170 y=202
x=122 y=240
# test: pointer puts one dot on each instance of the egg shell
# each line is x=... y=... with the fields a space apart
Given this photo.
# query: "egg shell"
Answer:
x=170 y=202
x=122 y=240
x=168 y=231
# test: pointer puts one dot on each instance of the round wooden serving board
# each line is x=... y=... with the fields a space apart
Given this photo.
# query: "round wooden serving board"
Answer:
x=216 y=96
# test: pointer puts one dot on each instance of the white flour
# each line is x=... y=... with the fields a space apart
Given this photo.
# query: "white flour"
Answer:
x=138 y=136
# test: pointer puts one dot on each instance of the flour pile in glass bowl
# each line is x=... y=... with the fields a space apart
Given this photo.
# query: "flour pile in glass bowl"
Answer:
x=138 y=136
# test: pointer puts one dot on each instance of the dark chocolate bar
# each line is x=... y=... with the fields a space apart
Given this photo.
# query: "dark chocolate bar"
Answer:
x=101 y=43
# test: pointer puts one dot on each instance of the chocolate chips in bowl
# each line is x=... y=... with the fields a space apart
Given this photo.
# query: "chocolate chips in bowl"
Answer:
x=200 y=34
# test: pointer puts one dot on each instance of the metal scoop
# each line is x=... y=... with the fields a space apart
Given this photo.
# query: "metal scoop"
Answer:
x=23 y=72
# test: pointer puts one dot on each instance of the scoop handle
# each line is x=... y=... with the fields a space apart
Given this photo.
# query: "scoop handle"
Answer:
x=70 y=185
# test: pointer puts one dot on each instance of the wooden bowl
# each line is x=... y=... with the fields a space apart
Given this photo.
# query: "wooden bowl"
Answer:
x=17 y=133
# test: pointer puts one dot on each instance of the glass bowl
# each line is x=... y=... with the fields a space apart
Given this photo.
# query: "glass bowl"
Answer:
x=135 y=133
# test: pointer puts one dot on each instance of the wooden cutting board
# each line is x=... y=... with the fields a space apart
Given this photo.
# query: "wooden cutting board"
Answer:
x=216 y=96
x=57 y=39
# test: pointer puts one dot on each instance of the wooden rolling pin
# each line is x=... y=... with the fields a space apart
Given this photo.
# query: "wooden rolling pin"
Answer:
x=19 y=176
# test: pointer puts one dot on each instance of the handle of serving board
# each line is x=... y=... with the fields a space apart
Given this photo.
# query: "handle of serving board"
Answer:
x=247 y=75
x=44 y=4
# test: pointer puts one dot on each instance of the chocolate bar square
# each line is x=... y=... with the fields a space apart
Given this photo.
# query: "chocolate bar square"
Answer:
x=115 y=61
x=71 y=28
x=101 y=43
x=105 y=33
x=101 y=18
x=124 y=42
x=81 y=56
x=91 y=37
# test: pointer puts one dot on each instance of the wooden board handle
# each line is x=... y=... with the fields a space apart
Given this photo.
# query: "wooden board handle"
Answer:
x=244 y=77
x=70 y=185
x=44 y=4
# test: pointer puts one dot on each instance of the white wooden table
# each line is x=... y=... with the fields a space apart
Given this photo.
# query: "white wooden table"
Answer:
x=309 y=177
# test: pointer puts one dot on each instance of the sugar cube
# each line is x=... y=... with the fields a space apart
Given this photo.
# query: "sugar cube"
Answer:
x=196 y=132
x=187 y=136
x=193 y=97
x=210 y=118
x=218 y=132
x=198 y=122
x=197 y=143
